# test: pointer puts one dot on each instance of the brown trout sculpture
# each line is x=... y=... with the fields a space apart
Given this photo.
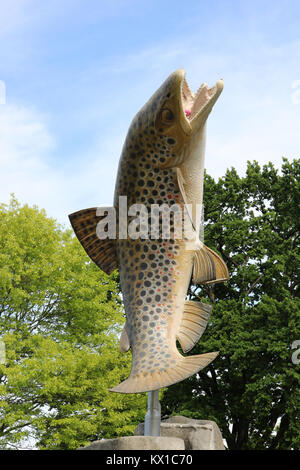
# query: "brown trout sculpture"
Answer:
x=162 y=164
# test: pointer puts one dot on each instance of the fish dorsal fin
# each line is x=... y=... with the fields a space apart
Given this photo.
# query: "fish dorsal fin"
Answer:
x=193 y=324
x=209 y=267
x=180 y=180
x=124 y=341
x=102 y=252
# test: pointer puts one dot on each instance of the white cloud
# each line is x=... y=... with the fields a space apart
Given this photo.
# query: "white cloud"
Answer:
x=29 y=171
x=25 y=144
x=24 y=138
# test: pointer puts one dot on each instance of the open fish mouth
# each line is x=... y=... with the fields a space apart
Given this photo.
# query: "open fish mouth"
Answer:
x=195 y=107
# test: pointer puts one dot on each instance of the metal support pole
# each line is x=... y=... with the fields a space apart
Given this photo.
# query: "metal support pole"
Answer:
x=152 y=418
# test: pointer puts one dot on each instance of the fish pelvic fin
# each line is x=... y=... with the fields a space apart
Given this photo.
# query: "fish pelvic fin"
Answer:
x=194 y=321
x=124 y=341
x=209 y=267
x=102 y=252
x=184 y=368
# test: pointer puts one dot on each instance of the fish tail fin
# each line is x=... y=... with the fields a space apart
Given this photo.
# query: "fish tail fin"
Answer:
x=160 y=378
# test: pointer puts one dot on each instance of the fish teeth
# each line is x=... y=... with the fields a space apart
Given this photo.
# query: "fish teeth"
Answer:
x=187 y=96
x=202 y=97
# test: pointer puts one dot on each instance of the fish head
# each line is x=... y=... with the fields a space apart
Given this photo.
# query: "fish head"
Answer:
x=174 y=116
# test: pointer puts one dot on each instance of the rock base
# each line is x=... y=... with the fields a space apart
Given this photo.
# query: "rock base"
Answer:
x=176 y=433
x=197 y=434
x=137 y=443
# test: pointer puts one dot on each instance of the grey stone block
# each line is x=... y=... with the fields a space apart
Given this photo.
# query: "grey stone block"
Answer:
x=197 y=434
x=137 y=443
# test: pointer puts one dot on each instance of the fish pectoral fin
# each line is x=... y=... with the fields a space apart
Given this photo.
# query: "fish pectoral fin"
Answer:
x=194 y=321
x=124 y=341
x=102 y=252
x=181 y=183
x=209 y=267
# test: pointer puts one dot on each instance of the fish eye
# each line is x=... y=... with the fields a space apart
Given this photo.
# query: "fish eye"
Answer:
x=166 y=115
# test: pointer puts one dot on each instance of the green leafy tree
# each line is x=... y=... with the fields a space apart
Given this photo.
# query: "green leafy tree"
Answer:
x=252 y=388
x=60 y=320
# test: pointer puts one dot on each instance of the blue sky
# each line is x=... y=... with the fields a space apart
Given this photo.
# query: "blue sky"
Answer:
x=76 y=72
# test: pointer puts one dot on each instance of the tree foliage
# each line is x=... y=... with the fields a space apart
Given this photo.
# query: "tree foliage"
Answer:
x=252 y=388
x=60 y=319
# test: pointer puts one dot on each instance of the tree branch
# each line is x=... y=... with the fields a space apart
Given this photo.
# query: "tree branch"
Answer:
x=253 y=285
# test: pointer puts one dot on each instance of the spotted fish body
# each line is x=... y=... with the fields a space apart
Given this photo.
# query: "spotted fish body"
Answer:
x=161 y=164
